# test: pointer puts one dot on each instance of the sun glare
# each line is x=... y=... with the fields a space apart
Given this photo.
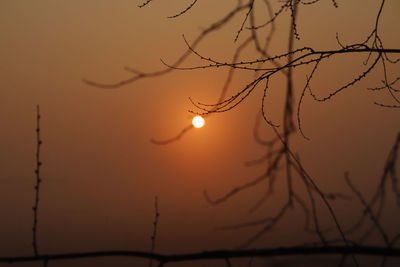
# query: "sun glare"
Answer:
x=198 y=122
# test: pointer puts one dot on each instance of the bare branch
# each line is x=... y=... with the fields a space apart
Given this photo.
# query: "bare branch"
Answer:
x=217 y=254
x=38 y=181
x=155 y=223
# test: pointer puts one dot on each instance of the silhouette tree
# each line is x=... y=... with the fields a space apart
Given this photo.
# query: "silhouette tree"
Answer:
x=279 y=152
x=282 y=163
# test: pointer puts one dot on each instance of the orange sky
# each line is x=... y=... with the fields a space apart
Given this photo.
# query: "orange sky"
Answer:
x=101 y=173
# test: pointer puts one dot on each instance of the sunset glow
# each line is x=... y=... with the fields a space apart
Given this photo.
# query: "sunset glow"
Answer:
x=198 y=122
x=298 y=163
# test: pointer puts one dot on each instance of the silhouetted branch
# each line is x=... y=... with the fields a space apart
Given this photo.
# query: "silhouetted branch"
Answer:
x=37 y=185
x=279 y=153
x=238 y=189
x=145 y=3
x=217 y=254
x=290 y=159
x=367 y=209
x=155 y=223
x=172 y=139
x=221 y=97
x=142 y=75
x=183 y=11
x=378 y=199
x=250 y=7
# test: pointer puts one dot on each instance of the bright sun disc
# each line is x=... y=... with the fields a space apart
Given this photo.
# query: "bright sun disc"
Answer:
x=198 y=122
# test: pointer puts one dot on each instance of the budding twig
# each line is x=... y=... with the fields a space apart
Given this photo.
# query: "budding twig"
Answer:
x=38 y=180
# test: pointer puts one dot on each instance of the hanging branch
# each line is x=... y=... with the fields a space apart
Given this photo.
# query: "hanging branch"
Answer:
x=138 y=75
x=367 y=209
x=183 y=11
x=279 y=152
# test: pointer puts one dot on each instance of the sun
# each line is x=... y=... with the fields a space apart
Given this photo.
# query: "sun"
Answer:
x=198 y=122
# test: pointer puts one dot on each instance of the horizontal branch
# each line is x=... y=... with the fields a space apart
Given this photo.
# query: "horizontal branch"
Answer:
x=358 y=50
x=217 y=254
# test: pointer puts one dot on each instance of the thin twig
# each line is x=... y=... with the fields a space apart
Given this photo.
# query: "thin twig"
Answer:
x=37 y=185
x=155 y=223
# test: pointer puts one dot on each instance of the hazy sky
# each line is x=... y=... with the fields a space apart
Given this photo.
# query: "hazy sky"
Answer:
x=101 y=172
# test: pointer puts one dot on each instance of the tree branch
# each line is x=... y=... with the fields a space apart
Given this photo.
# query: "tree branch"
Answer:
x=216 y=254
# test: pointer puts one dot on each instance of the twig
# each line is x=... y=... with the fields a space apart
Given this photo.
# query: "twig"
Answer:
x=155 y=223
x=367 y=209
x=38 y=181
